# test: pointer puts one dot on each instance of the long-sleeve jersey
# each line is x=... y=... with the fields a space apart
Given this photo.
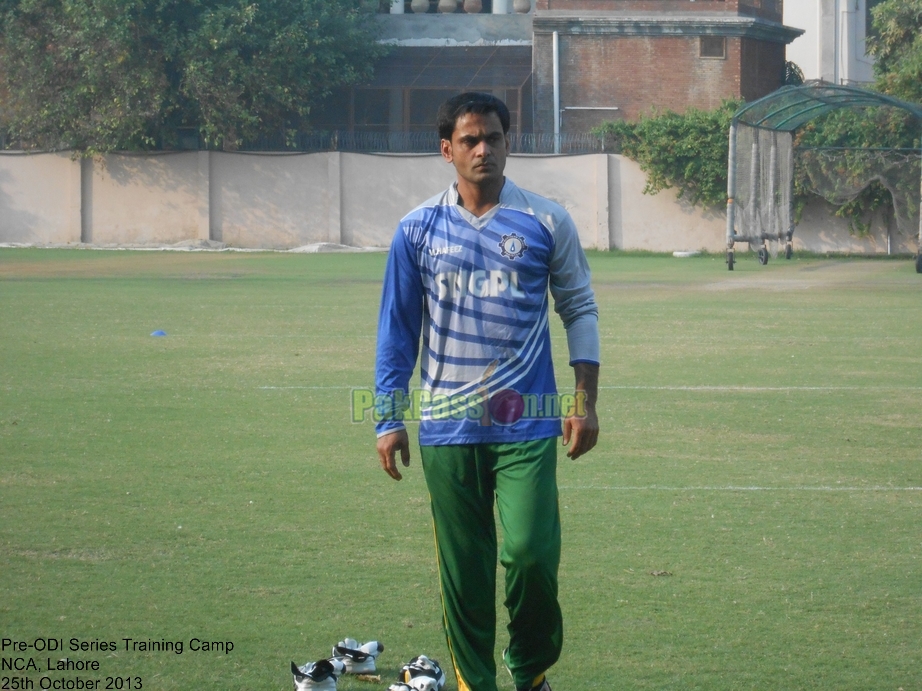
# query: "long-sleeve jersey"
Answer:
x=476 y=289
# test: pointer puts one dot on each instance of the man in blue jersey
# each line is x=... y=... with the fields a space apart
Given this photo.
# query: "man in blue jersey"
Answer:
x=469 y=271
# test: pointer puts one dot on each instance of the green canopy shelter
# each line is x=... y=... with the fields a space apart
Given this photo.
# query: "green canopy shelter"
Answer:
x=760 y=169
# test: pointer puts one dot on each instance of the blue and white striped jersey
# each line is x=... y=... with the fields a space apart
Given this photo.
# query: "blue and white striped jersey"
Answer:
x=477 y=291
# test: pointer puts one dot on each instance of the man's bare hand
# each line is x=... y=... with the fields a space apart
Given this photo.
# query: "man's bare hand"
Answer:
x=583 y=427
x=583 y=431
x=388 y=446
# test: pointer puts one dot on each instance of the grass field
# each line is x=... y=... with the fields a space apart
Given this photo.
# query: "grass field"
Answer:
x=761 y=445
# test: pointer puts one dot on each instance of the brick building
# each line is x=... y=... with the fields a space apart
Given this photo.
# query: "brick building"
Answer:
x=614 y=59
x=622 y=58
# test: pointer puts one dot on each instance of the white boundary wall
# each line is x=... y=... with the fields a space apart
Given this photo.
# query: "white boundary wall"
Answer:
x=282 y=201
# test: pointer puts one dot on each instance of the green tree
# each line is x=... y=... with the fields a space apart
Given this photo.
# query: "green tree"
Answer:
x=896 y=45
x=100 y=75
x=79 y=74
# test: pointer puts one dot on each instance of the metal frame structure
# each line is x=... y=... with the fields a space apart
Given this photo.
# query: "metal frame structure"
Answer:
x=786 y=110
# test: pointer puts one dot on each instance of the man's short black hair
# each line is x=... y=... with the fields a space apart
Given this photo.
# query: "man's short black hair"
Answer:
x=469 y=102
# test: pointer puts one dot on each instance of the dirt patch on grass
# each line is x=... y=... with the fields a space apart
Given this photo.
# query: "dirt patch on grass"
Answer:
x=796 y=277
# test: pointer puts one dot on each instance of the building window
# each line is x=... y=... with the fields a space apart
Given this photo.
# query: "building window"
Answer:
x=712 y=47
x=372 y=110
x=424 y=106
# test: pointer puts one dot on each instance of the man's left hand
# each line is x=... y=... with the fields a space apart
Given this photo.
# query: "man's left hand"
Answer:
x=583 y=431
x=583 y=426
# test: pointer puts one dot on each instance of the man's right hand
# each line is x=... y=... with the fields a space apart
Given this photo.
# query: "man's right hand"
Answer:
x=388 y=445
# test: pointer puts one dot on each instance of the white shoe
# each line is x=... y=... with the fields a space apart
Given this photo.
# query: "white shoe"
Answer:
x=358 y=659
x=416 y=684
x=422 y=674
x=317 y=676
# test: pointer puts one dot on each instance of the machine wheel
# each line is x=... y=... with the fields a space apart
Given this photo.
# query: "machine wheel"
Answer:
x=788 y=251
x=763 y=256
x=919 y=263
x=730 y=260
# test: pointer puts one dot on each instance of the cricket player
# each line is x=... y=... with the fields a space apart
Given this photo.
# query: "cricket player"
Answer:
x=469 y=271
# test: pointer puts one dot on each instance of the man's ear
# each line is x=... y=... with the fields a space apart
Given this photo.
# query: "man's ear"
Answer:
x=445 y=148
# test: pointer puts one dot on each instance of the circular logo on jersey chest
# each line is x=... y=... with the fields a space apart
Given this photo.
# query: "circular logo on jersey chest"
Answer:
x=513 y=246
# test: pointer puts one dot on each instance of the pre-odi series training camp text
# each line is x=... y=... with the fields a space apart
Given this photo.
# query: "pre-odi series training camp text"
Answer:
x=101 y=664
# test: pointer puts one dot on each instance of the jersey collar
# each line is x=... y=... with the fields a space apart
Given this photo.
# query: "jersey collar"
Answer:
x=479 y=223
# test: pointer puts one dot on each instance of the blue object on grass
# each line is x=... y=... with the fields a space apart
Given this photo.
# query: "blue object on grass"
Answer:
x=159 y=332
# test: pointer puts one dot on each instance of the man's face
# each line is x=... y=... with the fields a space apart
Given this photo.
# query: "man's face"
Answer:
x=478 y=148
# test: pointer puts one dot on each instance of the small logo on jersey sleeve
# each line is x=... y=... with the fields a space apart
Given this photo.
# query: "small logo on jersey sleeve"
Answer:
x=513 y=246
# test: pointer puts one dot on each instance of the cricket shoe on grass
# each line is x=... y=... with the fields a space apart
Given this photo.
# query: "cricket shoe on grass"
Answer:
x=317 y=676
x=422 y=674
x=417 y=684
x=358 y=659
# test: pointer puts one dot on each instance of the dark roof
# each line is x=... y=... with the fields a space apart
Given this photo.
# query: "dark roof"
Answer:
x=480 y=68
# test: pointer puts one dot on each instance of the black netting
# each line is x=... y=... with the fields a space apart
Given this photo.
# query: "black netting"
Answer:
x=764 y=174
x=840 y=175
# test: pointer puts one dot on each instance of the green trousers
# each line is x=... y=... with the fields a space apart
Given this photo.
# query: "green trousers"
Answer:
x=464 y=481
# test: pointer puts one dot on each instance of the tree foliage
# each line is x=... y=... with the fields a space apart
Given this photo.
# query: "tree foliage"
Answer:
x=76 y=73
x=897 y=48
x=100 y=75
x=686 y=151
